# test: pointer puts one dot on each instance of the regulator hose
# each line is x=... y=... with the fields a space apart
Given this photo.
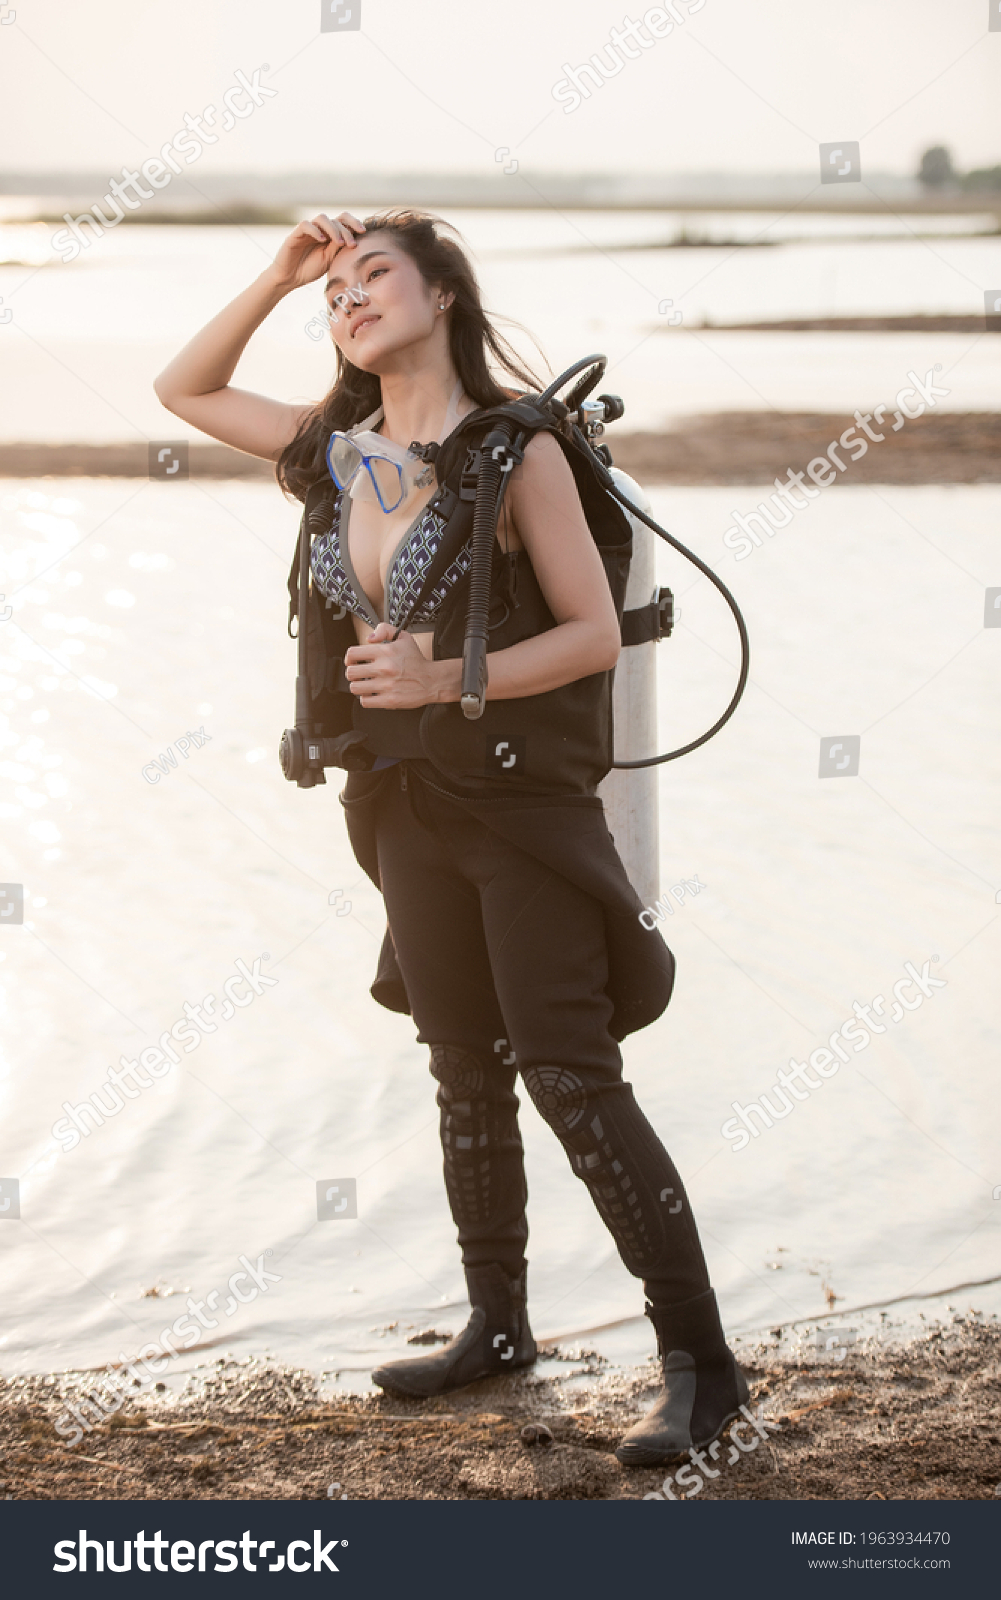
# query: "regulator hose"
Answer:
x=745 y=647
x=496 y=461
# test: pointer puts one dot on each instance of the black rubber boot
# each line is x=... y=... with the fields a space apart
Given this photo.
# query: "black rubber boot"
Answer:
x=703 y=1385
x=496 y=1340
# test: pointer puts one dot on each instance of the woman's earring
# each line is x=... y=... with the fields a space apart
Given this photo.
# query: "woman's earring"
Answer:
x=441 y=305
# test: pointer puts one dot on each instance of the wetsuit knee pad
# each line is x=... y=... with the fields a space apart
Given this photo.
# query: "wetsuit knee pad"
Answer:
x=597 y=1147
x=469 y=1131
x=458 y=1070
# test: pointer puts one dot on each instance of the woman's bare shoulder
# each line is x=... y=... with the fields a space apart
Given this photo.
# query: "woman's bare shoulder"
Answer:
x=545 y=459
x=543 y=486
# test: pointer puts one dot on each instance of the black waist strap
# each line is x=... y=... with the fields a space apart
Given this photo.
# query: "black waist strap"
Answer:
x=397 y=733
x=652 y=621
x=390 y=733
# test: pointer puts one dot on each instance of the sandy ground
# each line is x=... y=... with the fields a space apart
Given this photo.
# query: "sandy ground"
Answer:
x=920 y=1421
x=759 y=446
x=722 y=447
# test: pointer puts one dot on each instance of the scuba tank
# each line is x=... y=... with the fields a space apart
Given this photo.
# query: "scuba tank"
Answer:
x=560 y=741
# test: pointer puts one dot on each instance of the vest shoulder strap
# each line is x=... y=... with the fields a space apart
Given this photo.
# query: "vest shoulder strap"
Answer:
x=316 y=513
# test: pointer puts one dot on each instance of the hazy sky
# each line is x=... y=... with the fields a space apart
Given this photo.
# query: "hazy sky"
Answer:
x=737 y=85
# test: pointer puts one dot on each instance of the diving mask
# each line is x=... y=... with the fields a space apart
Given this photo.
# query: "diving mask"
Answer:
x=370 y=465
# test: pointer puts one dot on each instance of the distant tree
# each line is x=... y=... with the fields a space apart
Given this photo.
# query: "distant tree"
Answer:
x=936 y=167
x=982 y=178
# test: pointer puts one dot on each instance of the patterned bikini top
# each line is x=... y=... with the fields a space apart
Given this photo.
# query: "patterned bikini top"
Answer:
x=335 y=577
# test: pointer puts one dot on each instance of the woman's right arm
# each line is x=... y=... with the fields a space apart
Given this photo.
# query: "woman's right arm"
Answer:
x=195 y=385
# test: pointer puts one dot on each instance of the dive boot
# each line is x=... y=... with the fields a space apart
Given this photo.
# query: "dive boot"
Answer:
x=703 y=1385
x=496 y=1340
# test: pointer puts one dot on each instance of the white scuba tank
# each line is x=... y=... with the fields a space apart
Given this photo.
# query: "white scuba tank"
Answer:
x=630 y=798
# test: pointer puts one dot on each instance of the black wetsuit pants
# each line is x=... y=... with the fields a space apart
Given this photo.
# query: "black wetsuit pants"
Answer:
x=505 y=966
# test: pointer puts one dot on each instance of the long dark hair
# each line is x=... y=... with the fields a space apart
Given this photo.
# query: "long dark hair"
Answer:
x=433 y=245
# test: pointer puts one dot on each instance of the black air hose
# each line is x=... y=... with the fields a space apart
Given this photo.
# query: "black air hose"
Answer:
x=745 y=648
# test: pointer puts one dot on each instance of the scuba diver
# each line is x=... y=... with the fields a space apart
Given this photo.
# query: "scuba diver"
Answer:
x=458 y=588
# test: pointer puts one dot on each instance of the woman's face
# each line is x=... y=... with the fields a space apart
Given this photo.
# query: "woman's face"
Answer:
x=380 y=300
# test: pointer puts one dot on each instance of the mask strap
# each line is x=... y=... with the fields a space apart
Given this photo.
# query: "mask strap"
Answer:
x=368 y=423
x=452 y=414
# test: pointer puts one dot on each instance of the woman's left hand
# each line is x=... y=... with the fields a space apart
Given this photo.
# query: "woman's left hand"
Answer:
x=389 y=674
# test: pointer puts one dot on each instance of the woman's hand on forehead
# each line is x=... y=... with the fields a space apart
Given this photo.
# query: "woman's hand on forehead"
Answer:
x=311 y=247
x=343 y=228
x=348 y=240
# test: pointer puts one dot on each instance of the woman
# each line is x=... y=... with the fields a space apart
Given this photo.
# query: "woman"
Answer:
x=513 y=937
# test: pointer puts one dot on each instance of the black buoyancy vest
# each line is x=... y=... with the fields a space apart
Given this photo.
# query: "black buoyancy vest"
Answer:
x=558 y=742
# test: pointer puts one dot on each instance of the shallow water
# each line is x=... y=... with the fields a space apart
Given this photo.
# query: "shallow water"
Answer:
x=866 y=616
x=142 y=611
x=87 y=338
